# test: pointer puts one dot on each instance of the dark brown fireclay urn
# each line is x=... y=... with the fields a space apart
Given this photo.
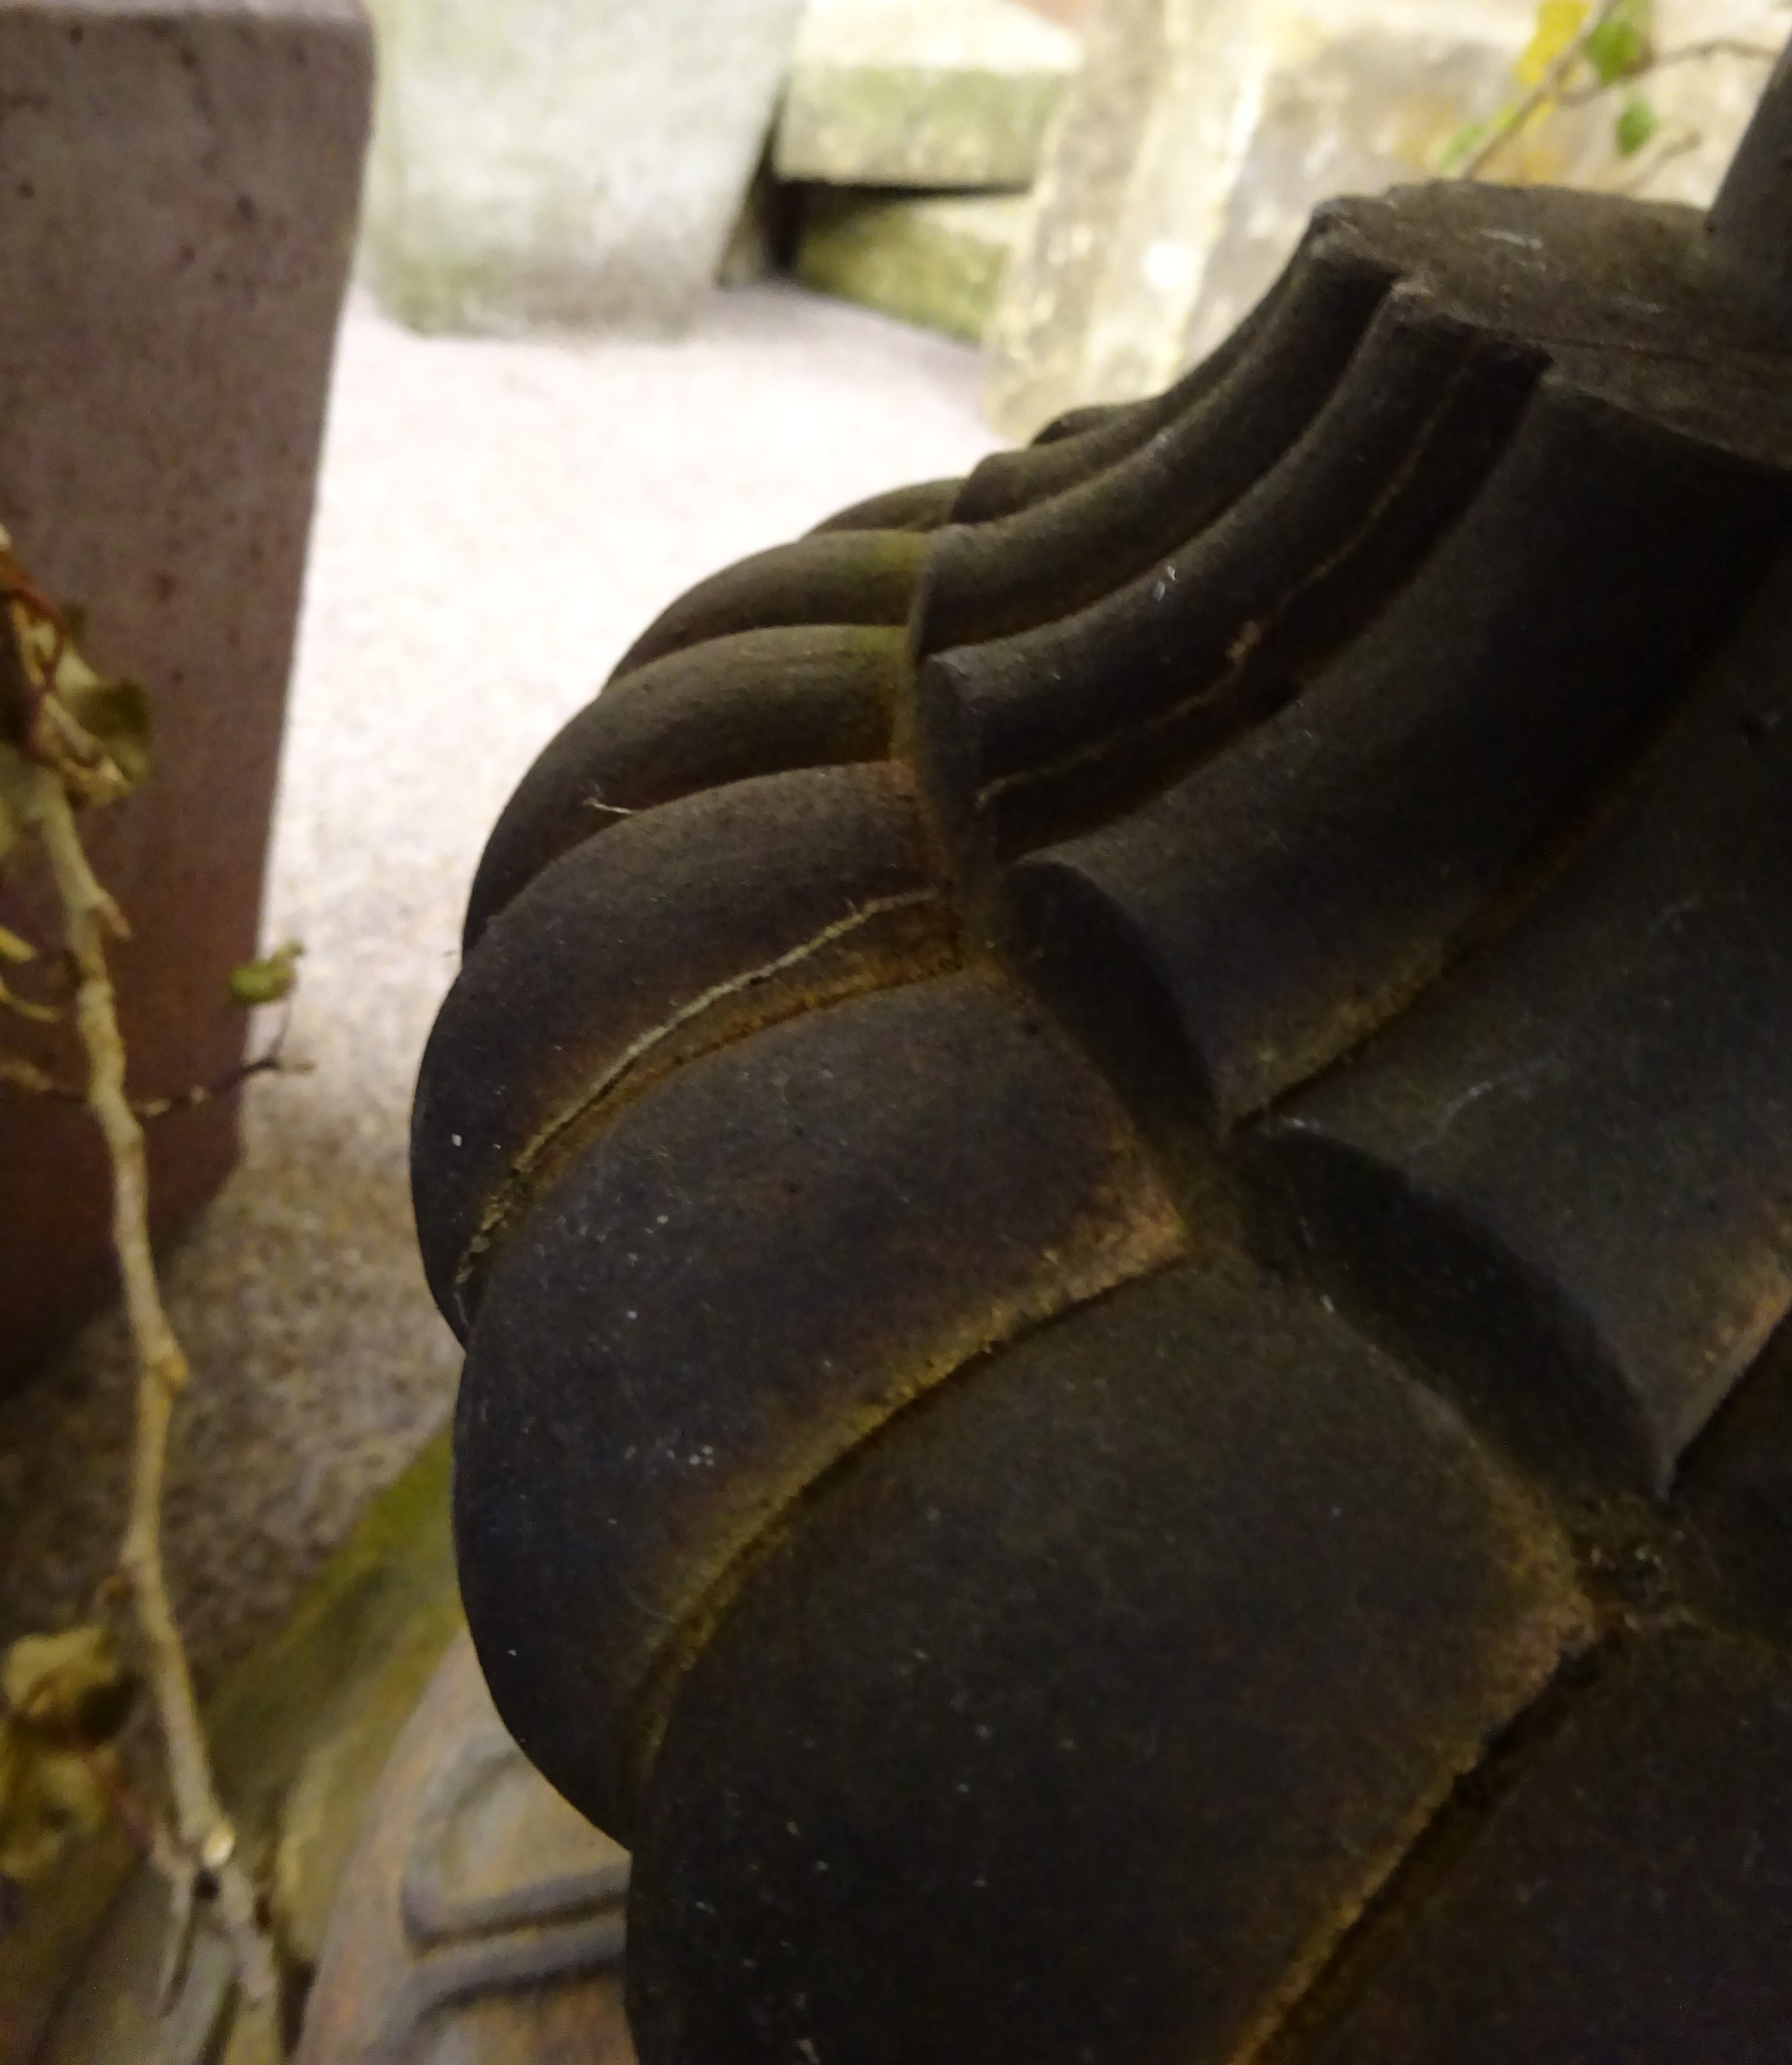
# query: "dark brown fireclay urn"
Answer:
x=1116 y=1154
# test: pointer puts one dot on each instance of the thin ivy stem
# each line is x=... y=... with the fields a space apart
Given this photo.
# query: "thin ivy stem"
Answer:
x=1713 y=47
x=205 y=1840
x=1507 y=126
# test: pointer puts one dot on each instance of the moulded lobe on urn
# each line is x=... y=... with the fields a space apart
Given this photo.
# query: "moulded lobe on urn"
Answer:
x=1009 y=572
x=1090 y=1702
x=1573 y=1157
x=1079 y=649
x=1031 y=737
x=1501 y=882
x=923 y=506
x=741 y=1277
x=1036 y=534
x=750 y=703
x=1630 y=1893
x=850 y=576
x=677 y=932
x=1304 y=884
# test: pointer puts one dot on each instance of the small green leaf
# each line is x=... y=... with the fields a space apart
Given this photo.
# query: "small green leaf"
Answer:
x=72 y=1689
x=66 y=1697
x=1637 y=123
x=49 y=1798
x=117 y=714
x=1616 y=49
x=268 y=980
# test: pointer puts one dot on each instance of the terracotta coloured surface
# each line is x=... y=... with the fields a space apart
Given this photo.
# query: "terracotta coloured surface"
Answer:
x=177 y=198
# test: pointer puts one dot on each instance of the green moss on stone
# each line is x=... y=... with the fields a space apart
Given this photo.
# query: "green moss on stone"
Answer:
x=936 y=259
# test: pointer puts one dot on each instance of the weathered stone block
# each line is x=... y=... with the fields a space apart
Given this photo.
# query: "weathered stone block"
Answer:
x=481 y=1916
x=921 y=93
x=1192 y=147
x=1141 y=57
x=932 y=259
x=558 y=163
x=180 y=188
x=1376 y=103
x=1199 y=137
x=1367 y=109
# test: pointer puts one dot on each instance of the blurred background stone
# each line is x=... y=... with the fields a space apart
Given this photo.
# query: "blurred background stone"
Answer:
x=934 y=259
x=1193 y=146
x=1356 y=111
x=1155 y=165
x=1136 y=173
x=909 y=135
x=564 y=163
x=547 y=164
x=921 y=93
x=763 y=234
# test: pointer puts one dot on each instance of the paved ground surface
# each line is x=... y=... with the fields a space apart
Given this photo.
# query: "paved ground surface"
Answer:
x=497 y=521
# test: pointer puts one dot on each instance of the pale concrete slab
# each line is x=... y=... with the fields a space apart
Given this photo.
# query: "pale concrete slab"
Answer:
x=1144 y=173
x=933 y=259
x=921 y=93
x=1199 y=135
x=564 y=164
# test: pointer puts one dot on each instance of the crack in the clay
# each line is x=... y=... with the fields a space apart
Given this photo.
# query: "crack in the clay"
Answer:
x=513 y=1193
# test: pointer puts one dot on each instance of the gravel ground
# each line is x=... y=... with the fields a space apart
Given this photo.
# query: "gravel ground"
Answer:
x=496 y=523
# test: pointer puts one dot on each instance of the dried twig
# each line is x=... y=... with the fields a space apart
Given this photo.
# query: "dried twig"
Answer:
x=27 y=1076
x=202 y=1856
x=1713 y=47
x=272 y=1063
x=1547 y=89
x=1679 y=145
x=51 y=762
